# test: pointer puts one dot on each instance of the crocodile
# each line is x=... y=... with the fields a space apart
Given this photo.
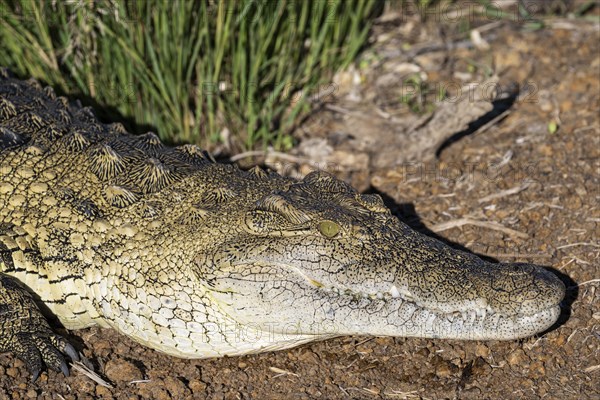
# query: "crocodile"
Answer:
x=196 y=258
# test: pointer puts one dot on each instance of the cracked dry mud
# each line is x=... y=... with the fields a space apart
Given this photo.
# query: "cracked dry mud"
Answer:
x=516 y=174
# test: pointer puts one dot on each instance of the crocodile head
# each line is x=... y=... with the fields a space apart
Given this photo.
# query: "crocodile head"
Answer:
x=319 y=259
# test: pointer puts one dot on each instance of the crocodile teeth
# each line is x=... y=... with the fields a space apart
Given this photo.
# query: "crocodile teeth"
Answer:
x=394 y=292
x=481 y=312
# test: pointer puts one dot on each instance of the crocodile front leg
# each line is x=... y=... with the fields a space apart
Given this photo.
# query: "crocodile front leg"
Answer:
x=25 y=331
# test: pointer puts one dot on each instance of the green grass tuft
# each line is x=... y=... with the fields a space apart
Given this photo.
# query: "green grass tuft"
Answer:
x=189 y=68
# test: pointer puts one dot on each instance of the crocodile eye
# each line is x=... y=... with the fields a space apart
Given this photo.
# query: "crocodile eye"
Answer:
x=329 y=228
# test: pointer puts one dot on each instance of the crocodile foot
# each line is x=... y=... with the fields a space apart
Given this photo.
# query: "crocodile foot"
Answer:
x=25 y=332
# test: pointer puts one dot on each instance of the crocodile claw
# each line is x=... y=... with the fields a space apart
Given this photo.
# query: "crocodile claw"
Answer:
x=25 y=332
x=71 y=352
x=39 y=348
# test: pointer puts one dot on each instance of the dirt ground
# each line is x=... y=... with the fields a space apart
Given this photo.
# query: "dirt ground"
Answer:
x=524 y=186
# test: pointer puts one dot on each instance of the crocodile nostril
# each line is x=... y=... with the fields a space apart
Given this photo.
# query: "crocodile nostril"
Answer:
x=524 y=268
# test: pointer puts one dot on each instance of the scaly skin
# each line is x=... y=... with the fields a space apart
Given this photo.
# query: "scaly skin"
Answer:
x=199 y=259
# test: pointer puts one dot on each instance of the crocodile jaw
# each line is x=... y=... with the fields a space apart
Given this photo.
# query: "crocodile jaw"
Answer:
x=325 y=311
x=251 y=316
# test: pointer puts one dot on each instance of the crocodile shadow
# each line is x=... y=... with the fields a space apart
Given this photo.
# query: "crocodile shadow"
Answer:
x=499 y=107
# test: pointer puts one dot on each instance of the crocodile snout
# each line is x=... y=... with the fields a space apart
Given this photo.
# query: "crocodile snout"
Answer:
x=524 y=289
x=547 y=291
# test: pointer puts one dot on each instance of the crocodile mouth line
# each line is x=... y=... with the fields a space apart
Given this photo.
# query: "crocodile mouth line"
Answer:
x=467 y=314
